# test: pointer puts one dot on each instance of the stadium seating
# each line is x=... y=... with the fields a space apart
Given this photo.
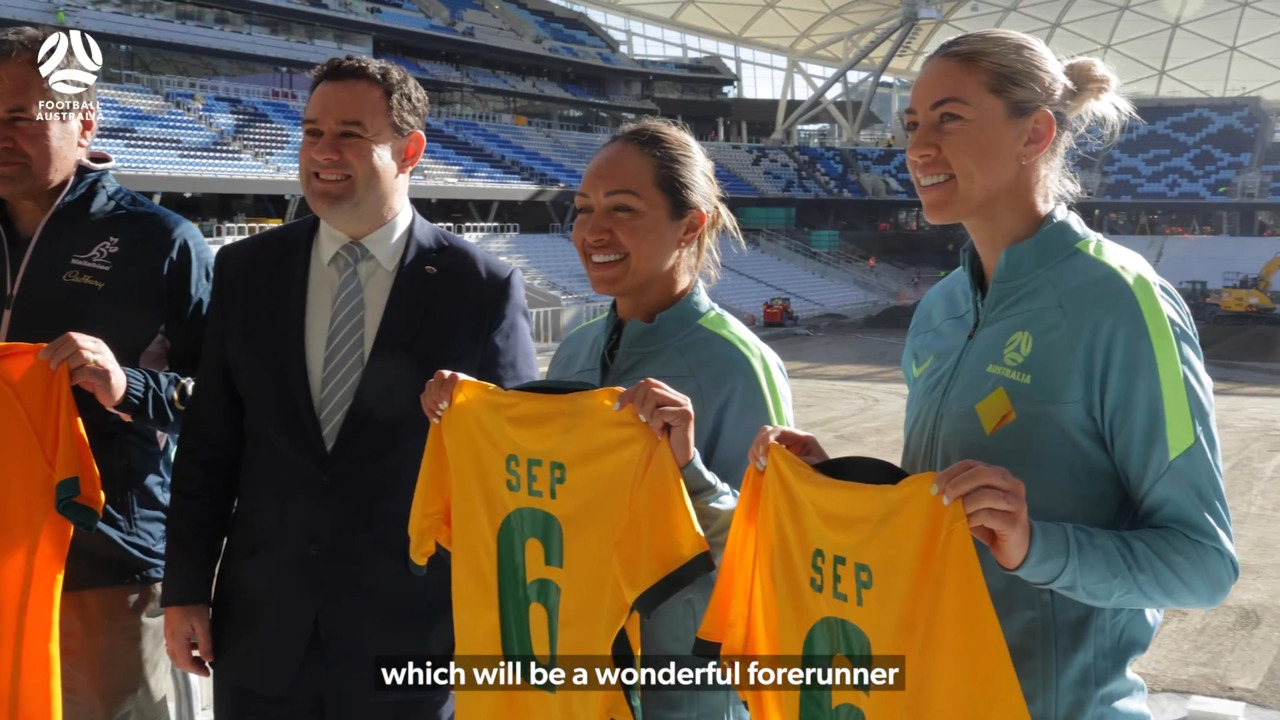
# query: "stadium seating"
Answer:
x=733 y=185
x=527 y=146
x=745 y=294
x=144 y=132
x=769 y=276
x=747 y=280
x=766 y=168
x=472 y=12
x=1182 y=153
x=831 y=163
x=557 y=28
x=553 y=260
x=1187 y=153
x=619 y=60
x=891 y=165
x=412 y=17
x=403 y=13
x=453 y=160
x=1271 y=165
x=506 y=81
x=440 y=71
x=577 y=144
x=271 y=128
x=266 y=127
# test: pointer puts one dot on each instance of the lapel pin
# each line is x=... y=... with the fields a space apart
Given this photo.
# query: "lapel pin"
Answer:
x=431 y=270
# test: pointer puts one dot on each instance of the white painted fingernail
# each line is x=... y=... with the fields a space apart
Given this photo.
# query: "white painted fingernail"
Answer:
x=642 y=419
x=615 y=406
x=933 y=489
x=946 y=500
x=760 y=464
x=435 y=421
x=444 y=404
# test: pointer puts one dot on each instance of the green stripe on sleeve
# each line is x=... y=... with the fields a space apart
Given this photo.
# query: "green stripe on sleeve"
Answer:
x=596 y=319
x=1179 y=428
x=769 y=382
x=82 y=516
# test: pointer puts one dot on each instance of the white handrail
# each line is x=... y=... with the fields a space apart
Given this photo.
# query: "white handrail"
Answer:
x=551 y=325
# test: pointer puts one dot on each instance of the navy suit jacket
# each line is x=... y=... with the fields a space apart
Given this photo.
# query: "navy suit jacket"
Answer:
x=316 y=536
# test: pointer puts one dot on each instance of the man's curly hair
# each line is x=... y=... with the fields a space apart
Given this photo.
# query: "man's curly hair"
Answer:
x=405 y=97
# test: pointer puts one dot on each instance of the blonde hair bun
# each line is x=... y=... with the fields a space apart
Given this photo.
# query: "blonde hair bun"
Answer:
x=1083 y=94
x=1091 y=80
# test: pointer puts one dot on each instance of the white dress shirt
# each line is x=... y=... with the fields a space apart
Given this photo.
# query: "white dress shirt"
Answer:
x=386 y=246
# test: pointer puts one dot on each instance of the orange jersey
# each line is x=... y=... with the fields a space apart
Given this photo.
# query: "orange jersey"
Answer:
x=50 y=481
x=822 y=573
x=561 y=516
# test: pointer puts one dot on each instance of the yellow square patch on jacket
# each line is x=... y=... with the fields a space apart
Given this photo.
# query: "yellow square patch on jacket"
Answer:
x=995 y=411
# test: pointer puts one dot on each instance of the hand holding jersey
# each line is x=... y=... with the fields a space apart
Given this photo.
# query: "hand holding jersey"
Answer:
x=799 y=443
x=666 y=411
x=995 y=503
x=92 y=364
x=438 y=393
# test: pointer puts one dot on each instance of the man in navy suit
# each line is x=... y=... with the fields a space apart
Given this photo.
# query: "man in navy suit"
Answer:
x=304 y=435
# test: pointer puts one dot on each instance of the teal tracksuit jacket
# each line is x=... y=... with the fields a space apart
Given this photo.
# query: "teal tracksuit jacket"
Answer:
x=1081 y=373
x=737 y=384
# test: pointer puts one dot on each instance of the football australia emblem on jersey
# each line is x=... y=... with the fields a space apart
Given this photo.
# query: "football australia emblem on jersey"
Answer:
x=1016 y=350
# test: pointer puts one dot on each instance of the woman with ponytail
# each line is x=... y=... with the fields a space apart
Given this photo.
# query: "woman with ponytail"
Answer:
x=649 y=221
x=1056 y=384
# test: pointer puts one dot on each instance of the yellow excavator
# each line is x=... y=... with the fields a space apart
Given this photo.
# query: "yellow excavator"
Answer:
x=1243 y=300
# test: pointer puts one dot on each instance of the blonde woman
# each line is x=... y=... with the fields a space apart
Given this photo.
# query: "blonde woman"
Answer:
x=1056 y=383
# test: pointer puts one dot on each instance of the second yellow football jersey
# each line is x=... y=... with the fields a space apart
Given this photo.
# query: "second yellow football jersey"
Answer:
x=561 y=516
x=822 y=573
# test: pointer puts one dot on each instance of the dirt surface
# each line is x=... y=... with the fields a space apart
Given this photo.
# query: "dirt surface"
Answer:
x=895 y=317
x=1241 y=344
x=848 y=389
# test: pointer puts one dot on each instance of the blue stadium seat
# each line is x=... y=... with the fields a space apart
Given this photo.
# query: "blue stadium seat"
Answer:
x=832 y=164
x=1182 y=153
x=145 y=132
x=1271 y=165
x=891 y=164
x=557 y=28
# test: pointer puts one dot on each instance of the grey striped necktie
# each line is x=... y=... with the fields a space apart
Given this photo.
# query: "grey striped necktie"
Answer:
x=344 y=348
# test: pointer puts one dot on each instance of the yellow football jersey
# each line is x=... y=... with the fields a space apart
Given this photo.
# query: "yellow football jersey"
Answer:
x=821 y=573
x=561 y=516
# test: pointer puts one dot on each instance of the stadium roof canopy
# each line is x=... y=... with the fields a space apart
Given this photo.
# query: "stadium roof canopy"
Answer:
x=1176 y=48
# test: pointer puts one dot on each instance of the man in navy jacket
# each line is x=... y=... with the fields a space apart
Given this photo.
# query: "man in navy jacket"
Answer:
x=117 y=286
x=302 y=446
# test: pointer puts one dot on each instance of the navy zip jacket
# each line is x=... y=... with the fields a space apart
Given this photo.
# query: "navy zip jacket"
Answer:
x=108 y=263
